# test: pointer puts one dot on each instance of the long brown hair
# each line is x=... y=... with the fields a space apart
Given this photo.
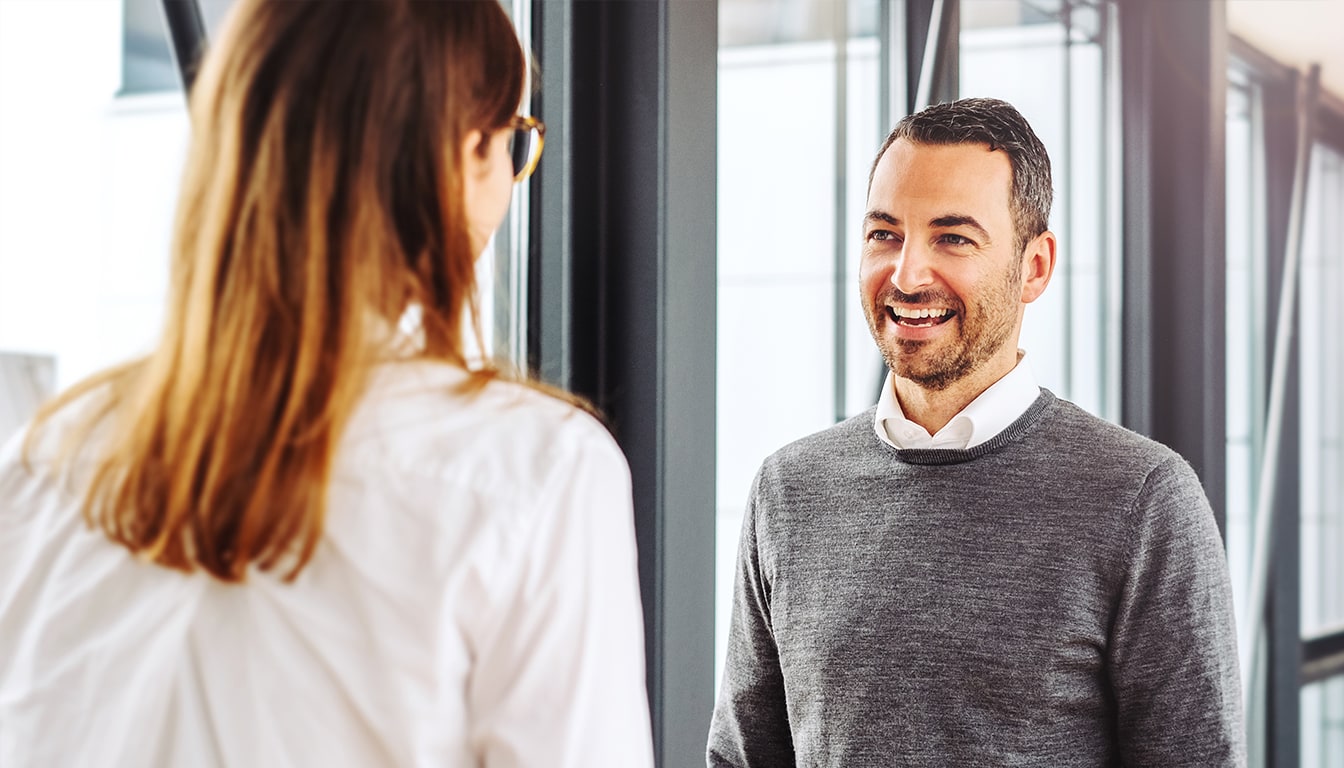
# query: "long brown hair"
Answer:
x=322 y=197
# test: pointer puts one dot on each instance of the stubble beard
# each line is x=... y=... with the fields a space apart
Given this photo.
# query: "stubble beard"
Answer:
x=979 y=338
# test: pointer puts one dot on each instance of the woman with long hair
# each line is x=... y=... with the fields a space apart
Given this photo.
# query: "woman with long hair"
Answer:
x=309 y=527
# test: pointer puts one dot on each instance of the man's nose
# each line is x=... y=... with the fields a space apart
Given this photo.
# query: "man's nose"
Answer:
x=913 y=271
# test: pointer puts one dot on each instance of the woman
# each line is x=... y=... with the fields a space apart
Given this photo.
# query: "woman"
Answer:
x=306 y=529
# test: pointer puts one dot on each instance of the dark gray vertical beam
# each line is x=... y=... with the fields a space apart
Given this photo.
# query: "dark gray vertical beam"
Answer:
x=892 y=64
x=1284 y=596
x=904 y=35
x=918 y=13
x=947 y=77
x=186 y=32
x=1174 y=94
x=1283 y=605
x=637 y=315
x=687 y=395
x=946 y=54
x=550 y=261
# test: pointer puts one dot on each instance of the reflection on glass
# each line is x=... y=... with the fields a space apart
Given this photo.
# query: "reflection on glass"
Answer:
x=771 y=22
x=1323 y=724
x=1246 y=324
x=1049 y=59
x=1246 y=349
x=778 y=323
x=1320 y=319
x=147 y=63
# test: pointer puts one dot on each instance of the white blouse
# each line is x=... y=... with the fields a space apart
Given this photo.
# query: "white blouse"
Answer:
x=474 y=601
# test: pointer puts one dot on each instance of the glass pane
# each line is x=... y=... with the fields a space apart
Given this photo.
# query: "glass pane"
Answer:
x=779 y=206
x=1321 y=317
x=1246 y=324
x=1050 y=61
x=1246 y=348
x=502 y=269
x=770 y=22
x=147 y=62
x=1323 y=724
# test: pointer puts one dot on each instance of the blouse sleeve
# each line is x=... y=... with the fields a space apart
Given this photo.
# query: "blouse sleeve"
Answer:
x=562 y=683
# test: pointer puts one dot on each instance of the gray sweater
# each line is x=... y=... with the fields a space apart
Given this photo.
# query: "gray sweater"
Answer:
x=1057 y=596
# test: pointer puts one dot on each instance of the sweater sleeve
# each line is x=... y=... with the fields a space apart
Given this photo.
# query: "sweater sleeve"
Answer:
x=750 y=727
x=1172 y=655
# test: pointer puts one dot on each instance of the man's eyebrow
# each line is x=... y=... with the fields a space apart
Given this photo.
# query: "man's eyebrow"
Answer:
x=960 y=220
x=881 y=216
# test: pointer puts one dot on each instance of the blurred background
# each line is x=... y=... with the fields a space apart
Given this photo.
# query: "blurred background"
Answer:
x=686 y=256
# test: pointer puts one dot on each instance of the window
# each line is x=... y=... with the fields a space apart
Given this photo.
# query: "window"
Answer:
x=1321 y=448
x=1323 y=724
x=1050 y=60
x=1320 y=319
x=1247 y=347
x=147 y=63
x=1301 y=641
x=799 y=124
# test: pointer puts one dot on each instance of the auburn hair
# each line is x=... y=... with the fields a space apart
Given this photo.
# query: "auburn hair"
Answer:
x=322 y=197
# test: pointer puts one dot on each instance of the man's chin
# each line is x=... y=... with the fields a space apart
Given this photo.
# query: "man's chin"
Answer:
x=933 y=382
x=933 y=377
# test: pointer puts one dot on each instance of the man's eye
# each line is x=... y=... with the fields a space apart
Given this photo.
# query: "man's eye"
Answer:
x=957 y=240
x=881 y=234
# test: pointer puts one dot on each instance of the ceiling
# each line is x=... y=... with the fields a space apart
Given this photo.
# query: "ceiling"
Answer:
x=1295 y=32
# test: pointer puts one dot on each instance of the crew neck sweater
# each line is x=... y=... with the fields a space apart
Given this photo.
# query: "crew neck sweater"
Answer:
x=1055 y=596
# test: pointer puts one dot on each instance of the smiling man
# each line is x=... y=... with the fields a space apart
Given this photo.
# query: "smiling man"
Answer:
x=974 y=572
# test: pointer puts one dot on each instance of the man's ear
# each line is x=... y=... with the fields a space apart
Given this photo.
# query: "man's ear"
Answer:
x=1038 y=264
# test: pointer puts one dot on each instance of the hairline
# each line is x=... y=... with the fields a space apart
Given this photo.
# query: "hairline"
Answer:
x=1019 y=240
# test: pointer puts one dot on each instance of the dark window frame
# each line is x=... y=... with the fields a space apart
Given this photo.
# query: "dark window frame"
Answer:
x=623 y=295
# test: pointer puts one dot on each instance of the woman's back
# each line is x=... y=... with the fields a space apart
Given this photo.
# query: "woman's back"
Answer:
x=473 y=596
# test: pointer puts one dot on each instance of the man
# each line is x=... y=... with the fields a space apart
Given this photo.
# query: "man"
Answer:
x=975 y=572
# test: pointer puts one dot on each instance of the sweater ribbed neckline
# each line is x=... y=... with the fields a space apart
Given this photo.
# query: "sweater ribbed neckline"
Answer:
x=1011 y=434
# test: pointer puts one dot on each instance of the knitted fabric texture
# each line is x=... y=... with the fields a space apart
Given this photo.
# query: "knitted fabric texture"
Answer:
x=1057 y=596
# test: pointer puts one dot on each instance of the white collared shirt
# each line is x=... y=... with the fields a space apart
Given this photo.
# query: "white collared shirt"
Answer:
x=981 y=419
x=474 y=600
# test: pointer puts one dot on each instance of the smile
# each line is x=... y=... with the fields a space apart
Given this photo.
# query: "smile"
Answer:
x=919 y=318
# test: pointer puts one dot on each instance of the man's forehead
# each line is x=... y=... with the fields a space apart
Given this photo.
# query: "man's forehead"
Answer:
x=965 y=172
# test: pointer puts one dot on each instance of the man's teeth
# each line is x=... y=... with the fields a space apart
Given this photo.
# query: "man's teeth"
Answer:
x=918 y=314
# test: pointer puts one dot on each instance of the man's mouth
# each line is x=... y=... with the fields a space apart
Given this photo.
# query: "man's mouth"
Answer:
x=925 y=317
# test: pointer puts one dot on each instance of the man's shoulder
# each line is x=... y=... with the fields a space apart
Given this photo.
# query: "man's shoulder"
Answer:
x=1105 y=443
x=855 y=434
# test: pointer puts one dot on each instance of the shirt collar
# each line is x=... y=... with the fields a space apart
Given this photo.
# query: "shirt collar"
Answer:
x=983 y=418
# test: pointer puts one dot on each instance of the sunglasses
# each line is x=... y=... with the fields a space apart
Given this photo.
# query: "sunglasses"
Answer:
x=527 y=136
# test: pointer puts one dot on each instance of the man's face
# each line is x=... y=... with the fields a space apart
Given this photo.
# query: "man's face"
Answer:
x=940 y=282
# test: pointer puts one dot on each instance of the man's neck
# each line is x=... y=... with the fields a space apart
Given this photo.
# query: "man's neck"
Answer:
x=933 y=409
